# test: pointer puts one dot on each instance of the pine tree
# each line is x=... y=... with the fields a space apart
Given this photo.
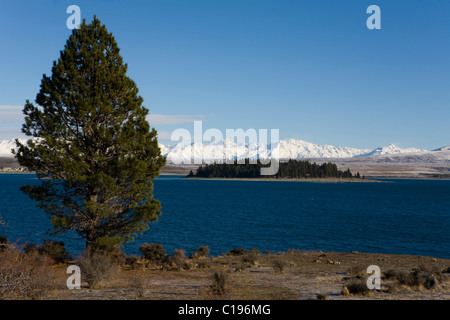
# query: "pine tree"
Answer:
x=92 y=145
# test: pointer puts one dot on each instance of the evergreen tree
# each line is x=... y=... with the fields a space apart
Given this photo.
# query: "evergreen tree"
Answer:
x=93 y=147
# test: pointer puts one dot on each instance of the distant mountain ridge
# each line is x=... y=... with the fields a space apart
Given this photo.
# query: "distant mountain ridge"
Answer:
x=286 y=149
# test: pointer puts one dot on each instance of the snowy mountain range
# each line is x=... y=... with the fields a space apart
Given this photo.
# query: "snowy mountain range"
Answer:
x=286 y=149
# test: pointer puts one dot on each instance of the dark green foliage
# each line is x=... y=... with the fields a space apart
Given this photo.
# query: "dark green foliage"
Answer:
x=56 y=250
x=93 y=142
x=289 y=169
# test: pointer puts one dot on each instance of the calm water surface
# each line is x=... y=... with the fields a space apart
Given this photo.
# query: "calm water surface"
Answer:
x=400 y=216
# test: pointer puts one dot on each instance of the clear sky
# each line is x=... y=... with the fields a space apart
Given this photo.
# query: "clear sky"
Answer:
x=311 y=69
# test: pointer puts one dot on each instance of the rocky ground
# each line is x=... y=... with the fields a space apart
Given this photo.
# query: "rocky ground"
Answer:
x=288 y=276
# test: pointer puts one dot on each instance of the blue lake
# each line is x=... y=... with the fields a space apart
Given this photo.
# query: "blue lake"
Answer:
x=399 y=216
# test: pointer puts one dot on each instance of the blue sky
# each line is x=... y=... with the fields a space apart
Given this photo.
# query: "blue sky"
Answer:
x=311 y=69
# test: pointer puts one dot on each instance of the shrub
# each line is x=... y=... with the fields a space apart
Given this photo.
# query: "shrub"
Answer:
x=358 y=270
x=132 y=261
x=55 y=250
x=3 y=243
x=96 y=267
x=278 y=264
x=219 y=284
x=393 y=287
x=423 y=278
x=203 y=251
x=322 y=296
x=237 y=252
x=356 y=288
x=414 y=278
x=116 y=255
x=204 y=265
x=401 y=276
x=251 y=257
x=24 y=276
x=154 y=252
x=32 y=248
x=179 y=258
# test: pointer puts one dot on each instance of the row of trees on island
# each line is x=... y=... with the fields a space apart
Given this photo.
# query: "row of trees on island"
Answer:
x=289 y=169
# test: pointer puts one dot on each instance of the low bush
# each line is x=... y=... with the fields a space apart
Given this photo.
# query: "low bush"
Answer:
x=322 y=296
x=154 y=253
x=203 y=251
x=251 y=257
x=421 y=277
x=133 y=262
x=237 y=252
x=278 y=264
x=116 y=255
x=356 y=288
x=3 y=243
x=55 y=250
x=24 y=276
x=219 y=283
x=31 y=248
x=96 y=267
x=358 y=270
x=179 y=258
x=204 y=265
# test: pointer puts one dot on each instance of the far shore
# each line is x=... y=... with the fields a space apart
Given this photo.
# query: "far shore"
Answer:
x=317 y=180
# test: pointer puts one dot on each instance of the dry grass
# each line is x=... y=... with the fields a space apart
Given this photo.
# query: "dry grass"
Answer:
x=24 y=276
x=305 y=275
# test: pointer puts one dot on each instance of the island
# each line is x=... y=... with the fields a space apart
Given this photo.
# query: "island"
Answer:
x=288 y=170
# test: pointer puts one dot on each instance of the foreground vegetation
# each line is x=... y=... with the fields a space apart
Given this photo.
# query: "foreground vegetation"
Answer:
x=36 y=272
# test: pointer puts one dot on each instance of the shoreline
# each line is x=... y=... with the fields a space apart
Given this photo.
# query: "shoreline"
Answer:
x=372 y=179
x=316 y=180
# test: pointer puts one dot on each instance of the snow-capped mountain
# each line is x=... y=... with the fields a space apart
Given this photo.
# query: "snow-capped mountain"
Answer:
x=393 y=149
x=284 y=149
x=446 y=148
x=6 y=146
x=298 y=149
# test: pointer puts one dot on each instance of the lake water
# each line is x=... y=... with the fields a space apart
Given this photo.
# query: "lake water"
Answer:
x=399 y=216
